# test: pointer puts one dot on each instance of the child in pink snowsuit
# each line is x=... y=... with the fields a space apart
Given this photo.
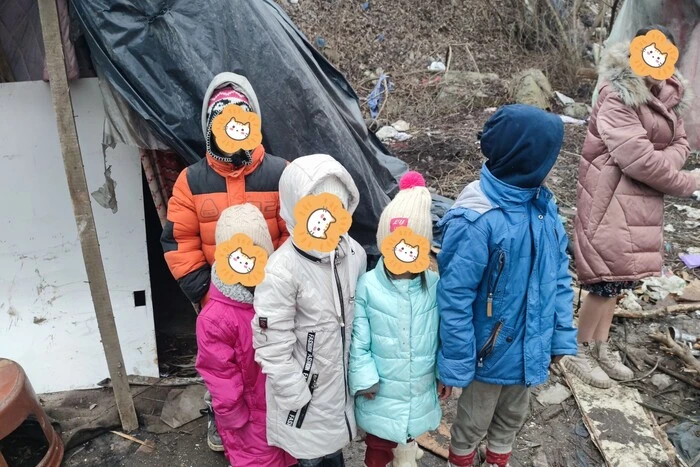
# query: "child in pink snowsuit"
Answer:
x=226 y=358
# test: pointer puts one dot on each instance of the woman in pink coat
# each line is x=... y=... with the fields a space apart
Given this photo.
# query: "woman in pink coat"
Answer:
x=226 y=358
x=633 y=154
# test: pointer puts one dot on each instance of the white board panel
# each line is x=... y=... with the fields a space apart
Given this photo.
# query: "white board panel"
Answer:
x=47 y=319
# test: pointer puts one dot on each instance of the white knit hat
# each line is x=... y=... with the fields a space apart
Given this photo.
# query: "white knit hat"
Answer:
x=410 y=208
x=245 y=219
x=332 y=184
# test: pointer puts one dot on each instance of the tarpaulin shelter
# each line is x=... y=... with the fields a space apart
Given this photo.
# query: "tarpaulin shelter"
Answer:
x=161 y=55
x=682 y=18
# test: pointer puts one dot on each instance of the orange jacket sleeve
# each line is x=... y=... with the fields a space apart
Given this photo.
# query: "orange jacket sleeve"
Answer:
x=182 y=243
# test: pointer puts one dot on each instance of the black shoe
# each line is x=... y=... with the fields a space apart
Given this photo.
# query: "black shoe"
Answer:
x=213 y=439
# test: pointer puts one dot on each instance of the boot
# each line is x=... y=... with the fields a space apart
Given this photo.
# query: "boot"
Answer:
x=585 y=366
x=496 y=460
x=611 y=362
x=406 y=455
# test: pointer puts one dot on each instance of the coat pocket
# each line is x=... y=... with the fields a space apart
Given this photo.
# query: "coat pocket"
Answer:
x=302 y=412
x=494 y=280
x=495 y=346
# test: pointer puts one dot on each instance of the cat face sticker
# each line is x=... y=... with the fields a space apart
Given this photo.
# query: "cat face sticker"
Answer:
x=320 y=222
x=653 y=55
x=235 y=129
x=404 y=251
x=239 y=261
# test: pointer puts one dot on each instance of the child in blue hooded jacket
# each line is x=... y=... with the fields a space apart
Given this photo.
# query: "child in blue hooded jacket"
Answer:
x=505 y=296
x=393 y=353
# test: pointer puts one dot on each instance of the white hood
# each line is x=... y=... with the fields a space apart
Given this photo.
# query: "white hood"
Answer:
x=303 y=175
x=473 y=197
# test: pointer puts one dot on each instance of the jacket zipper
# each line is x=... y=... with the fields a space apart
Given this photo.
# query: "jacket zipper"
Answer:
x=490 y=343
x=336 y=262
x=492 y=291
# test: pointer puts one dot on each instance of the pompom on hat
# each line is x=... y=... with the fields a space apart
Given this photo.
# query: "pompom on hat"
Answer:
x=245 y=219
x=410 y=208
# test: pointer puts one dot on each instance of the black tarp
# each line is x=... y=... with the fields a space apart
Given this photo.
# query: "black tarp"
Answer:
x=160 y=55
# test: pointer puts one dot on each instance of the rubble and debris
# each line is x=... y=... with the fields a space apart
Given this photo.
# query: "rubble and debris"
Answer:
x=669 y=228
x=378 y=94
x=691 y=212
x=183 y=406
x=460 y=86
x=564 y=99
x=691 y=293
x=629 y=302
x=533 y=88
x=691 y=261
x=386 y=132
x=661 y=381
x=672 y=347
x=658 y=288
x=553 y=395
x=685 y=437
x=571 y=120
x=401 y=125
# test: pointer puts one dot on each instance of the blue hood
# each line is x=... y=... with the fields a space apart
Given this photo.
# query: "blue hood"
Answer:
x=521 y=144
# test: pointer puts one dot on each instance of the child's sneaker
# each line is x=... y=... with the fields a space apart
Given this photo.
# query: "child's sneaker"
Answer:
x=461 y=461
x=611 y=362
x=213 y=438
x=585 y=366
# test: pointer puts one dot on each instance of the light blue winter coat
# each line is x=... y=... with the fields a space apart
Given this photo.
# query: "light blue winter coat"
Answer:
x=394 y=343
x=505 y=297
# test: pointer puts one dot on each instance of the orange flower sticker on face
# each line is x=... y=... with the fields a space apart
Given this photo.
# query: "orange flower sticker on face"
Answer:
x=653 y=55
x=235 y=129
x=320 y=222
x=239 y=261
x=405 y=251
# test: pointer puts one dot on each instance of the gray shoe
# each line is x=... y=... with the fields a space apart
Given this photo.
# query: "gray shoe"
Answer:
x=213 y=439
x=611 y=362
x=585 y=366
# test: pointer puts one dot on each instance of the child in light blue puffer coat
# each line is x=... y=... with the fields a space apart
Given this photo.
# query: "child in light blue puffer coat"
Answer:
x=393 y=353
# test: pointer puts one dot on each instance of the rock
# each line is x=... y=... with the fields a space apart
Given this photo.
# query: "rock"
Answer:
x=553 y=395
x=532 y=87
x=661 y=381
x=576 y=110
x=461 y=86
x=437 y=66
x=629 y=302
x=386 y=132
x=401 y=125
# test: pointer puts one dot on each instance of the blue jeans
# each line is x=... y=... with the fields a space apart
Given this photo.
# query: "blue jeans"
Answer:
x=332 y=460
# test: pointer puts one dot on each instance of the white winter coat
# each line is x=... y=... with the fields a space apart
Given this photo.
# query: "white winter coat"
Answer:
x=303 y=324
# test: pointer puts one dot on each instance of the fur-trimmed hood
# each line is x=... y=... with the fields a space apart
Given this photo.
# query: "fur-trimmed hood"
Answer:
x=615 y=69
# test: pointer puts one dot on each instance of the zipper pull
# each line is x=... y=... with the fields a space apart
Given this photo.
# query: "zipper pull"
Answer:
x=489 y=305
x=481 y=362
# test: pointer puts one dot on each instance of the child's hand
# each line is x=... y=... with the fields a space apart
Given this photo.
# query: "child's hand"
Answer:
x=369 y=395
x=444 y=392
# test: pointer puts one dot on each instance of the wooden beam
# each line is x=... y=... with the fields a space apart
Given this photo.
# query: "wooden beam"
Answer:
x=82 y=209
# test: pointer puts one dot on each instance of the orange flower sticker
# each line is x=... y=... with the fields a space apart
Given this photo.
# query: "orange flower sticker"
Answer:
x=405 y=251
x=236 y=129
x=320 y=222
x=653 y=55
x=239 y=261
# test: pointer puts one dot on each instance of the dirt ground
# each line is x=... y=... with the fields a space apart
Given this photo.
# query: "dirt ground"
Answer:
x=402 y=38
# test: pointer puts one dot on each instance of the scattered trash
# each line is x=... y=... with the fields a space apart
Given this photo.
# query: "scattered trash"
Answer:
x=365 y=6
x=691 y=261
x=658 y=288
x=320 y=42
x=540 y=459
x=380 y=38
x=553 y=395
x=293 y=2
x=669 y=228
x=401 y=125
x=386 y=132
x=581 y=430
x=564 y=99
x=458 y=86
x=629 y=302
x=147 y=443
x=92 y=406
x=437 y=66
x=573 y=121
x=375 y=97
x=661 y=381
x=183 y=406
x=490 y=110
x=533 y=88
x=679 y=336
x=691 y=293
x=685 y=439
x=696 y=195
x=693 y=213
x=402 y=136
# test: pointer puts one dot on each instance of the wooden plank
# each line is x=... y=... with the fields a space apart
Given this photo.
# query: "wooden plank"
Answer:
x=80 y=196
x=621 y=429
